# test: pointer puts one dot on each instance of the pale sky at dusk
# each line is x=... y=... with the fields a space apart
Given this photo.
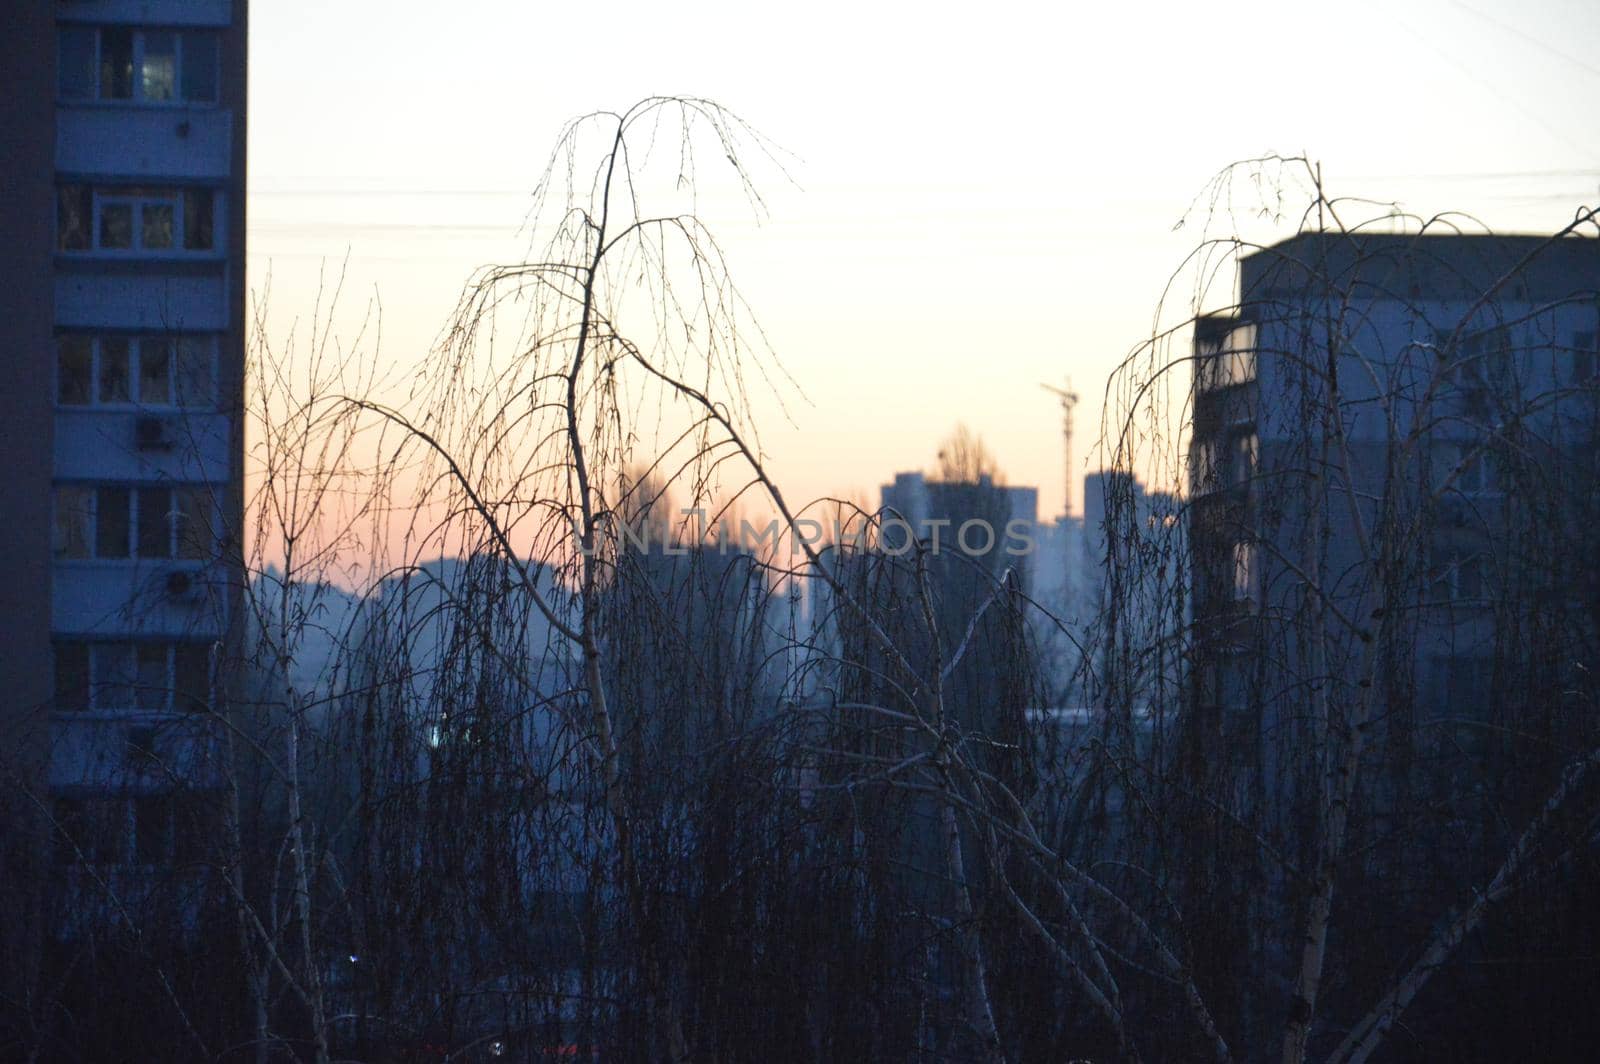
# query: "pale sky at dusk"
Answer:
x=983 y=195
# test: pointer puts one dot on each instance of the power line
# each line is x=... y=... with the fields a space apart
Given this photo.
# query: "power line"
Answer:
x=256 y=190
x=1504 y=175
x=1473 y=76
x=288 y=228
x=1587 y=68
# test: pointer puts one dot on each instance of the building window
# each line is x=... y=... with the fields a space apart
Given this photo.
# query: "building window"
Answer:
x=155 y=829
x=91 y=831
x=150 y=371
x=1486 y=358
x=135 y=219
x=72 y=686
x=158 y=677
x=171 y=828
x=154 y=67
x=1583 y=358
x=1459 y=573
x=1227 y=463
x=113 y=676
x=116 y=63
x=1228 y=360
x=77 y=63
x=1246 y=572
x=115 y=521
x=152 y=829
x=1471 y=467
x=1461 y=685
x=1474 y=478
x=1462 y=691
x=141 y=753
x=1244 y=451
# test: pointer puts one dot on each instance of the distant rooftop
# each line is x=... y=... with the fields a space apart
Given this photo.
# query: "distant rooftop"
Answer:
x=1425 y=267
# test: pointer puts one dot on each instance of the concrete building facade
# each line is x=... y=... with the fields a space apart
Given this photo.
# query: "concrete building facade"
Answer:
x=122 y=395
x=1460 y=427
x=1392 y=528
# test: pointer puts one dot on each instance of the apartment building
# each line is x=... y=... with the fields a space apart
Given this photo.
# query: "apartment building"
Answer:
x=123 y=358
x=1393 y=515
x=1395 y=422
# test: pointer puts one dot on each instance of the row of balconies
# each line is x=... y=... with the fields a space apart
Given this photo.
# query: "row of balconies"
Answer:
x=111 y=140
x=142 y=302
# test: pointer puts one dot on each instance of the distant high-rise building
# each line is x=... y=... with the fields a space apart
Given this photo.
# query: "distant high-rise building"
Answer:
x=123 y=345
x=1131 y=536
x=942 y=507
x=981 y=542
x=1058 y=578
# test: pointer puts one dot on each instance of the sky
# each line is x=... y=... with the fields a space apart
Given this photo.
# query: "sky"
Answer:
x=978 y=199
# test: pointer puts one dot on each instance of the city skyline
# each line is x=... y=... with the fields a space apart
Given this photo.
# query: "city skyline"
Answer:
x=590 y=578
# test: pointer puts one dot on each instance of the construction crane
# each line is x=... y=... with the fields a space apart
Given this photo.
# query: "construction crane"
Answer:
x=1069 y=399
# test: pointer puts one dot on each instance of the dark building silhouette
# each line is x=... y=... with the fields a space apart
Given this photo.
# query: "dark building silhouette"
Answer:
x=1392 y=523
x=124 y=170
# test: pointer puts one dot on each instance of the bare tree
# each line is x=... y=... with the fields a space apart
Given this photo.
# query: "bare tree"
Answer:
x=1334 y=564
x=572 y=766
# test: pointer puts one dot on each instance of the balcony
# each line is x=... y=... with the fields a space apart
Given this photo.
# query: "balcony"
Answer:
x=132 y=753
x=116 y=445
x=147 y=12
x=151 y=143
x=148 y=598
x=168 y=301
